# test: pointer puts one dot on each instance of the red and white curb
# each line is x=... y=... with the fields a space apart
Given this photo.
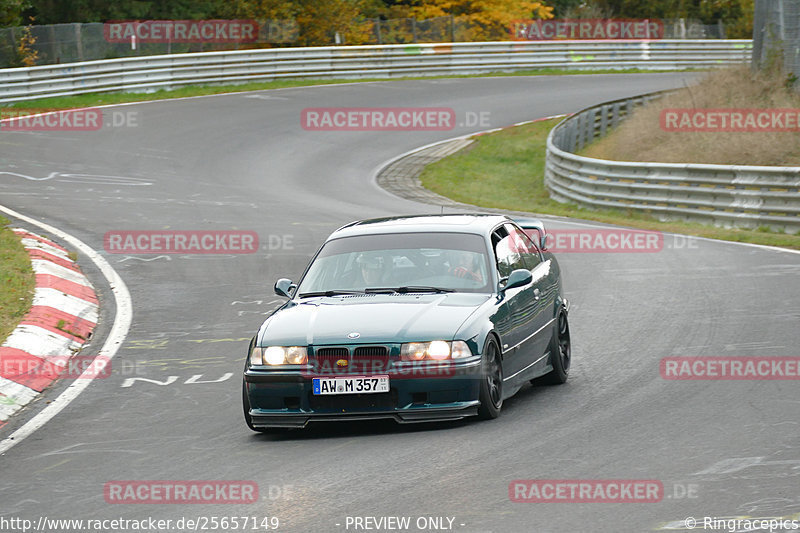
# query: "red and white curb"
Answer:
x=61 y=319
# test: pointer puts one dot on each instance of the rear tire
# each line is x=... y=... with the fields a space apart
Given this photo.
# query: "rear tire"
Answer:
x=491 y=392
x=560 y=353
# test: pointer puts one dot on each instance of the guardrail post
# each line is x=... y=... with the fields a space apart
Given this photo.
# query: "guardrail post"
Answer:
x=603 y=120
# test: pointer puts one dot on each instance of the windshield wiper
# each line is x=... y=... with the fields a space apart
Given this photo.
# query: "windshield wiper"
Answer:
x=380 y=290
x=409 y=288
x=424 y=288
x=334 y=292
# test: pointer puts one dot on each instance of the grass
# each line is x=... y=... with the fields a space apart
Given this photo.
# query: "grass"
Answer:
x=62 y=325
x=505 y=170
x=641 y=137
x=96 y=99
x=17 y=279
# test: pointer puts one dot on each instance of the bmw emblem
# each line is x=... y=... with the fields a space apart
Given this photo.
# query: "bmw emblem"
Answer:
x=353 y=335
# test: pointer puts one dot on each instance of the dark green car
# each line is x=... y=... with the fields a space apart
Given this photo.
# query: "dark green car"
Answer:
x=417 y=318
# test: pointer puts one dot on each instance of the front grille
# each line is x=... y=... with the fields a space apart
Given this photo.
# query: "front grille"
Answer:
x=371 y=351
x=353 y=402
x=326 y=361
x=370 y=360
x=329 y=353
x=364 y=360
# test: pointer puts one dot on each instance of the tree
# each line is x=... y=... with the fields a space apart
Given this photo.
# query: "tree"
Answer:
x=27 y=55
x=61 y=11
x=564 y=8
x=320 y=22
x=489 y=19
x=11 y=12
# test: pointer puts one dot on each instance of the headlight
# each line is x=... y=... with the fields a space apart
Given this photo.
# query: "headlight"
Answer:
x=279 y=355
x=439 y=350
x=434 y=350
x=257 y=356
x=413 y=351
x=460 y=349
x=275 y=355
x=296 y=355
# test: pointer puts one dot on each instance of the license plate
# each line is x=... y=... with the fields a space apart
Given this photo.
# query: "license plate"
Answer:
x=354 y=385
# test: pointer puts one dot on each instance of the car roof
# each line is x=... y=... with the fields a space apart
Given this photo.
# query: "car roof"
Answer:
x=477 y=223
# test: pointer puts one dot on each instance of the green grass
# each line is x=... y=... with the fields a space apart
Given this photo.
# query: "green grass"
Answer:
x=505 y=170
x=17 y=278
x=95 y=99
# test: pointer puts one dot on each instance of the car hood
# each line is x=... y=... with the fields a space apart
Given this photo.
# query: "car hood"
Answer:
x=377 y=318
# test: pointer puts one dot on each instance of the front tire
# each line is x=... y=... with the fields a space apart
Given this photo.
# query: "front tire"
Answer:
x=560 y=353
x=491 y=392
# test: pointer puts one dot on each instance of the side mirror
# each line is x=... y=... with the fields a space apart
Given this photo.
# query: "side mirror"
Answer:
x=518 y=278
x=284 y=287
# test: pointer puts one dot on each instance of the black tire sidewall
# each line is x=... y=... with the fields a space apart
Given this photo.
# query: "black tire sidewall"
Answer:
x=487 y=409
x=560 y=373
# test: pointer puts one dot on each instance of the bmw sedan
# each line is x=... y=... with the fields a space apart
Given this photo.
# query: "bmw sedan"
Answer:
x=416 y=318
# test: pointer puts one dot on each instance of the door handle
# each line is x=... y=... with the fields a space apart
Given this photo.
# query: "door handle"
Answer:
x=536 y=294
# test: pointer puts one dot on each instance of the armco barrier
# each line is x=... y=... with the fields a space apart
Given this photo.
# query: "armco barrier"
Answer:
x=728 y=195
x=151 y=73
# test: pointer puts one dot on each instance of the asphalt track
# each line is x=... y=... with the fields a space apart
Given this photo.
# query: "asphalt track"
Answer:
x=242 y=161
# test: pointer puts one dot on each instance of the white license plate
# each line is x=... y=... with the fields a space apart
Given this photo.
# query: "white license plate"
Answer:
x=354 y=385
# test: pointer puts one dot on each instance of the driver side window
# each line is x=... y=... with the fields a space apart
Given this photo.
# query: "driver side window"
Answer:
x=507 y=252
x=525 y=246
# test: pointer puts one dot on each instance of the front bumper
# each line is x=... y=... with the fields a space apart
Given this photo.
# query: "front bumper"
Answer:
x=284 y=398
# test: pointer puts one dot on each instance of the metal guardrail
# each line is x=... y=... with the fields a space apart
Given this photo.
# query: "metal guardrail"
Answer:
x=728 y=195
x=352 y=62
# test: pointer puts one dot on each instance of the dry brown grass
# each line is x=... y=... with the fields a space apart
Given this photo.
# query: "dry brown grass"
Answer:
x=641 y=138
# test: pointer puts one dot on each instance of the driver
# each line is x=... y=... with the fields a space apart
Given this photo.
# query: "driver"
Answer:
x=464 y=265
x=372 y=269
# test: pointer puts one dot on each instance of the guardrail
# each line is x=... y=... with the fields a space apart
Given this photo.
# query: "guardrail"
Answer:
x=728 y=195
x=171 y=71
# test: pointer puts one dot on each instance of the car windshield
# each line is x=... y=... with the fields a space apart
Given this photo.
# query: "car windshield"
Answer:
x=403 y=262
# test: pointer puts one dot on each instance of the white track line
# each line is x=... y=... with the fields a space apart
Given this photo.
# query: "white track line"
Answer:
x=119 y=330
